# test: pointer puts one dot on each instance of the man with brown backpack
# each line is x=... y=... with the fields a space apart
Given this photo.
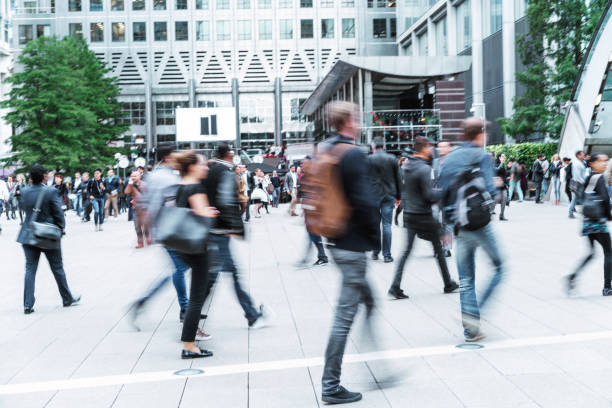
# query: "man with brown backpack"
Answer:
x=339 y=205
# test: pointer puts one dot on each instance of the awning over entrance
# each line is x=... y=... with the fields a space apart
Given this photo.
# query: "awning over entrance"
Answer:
x=389 y=76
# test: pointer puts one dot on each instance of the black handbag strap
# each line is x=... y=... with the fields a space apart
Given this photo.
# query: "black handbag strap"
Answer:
x=41 y=195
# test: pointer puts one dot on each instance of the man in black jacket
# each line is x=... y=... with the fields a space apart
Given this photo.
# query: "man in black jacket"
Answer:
x=222 y=194
x=538 y=176
x=50 y=211
x=418 y=197
x=384 y=173
x=348 y=251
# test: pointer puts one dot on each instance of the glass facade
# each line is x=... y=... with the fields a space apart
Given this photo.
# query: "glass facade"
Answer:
x=441 y=38
x=202 y=30
x=160 y=29
x=118 y=32
x=134 y=113
x=327 y=28
x=306 y=28
x=265 y=29
x=74 y=5
x=348 y=28
x=244 y=29
x=96 y=32
x=95 y=5
x=164 y=111
x=25 y=34
x=138 y=5
x=286 y=29
x=492 y=16
x=139 y=31
x=181 y=31
x=224 y=30
x=75 y=29
x=464 y=26
x=379 y=28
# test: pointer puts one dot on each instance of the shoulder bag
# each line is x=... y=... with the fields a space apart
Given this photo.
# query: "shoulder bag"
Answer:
x=44 y=235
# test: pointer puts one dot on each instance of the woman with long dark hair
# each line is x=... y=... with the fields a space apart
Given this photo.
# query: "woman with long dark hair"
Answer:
x=501 y=172
x=596 y=211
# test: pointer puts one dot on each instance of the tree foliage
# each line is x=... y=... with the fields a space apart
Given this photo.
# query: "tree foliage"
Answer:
x=552 y=50
x=63 y=106
x=525 y=152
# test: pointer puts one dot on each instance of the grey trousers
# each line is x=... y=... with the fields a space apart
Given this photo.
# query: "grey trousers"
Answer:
x=355 y=290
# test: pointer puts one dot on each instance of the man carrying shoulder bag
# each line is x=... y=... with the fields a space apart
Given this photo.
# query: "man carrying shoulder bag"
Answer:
x=41 y=232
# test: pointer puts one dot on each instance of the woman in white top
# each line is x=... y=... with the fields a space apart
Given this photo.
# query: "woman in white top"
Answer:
x=259 y=196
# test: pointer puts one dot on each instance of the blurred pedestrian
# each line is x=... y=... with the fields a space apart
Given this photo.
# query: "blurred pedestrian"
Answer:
x=241 y=185
x=275 y=180
x=135 y=189
x=399 y=207
x=97 y=192
x=502 y=172
x=21 y=185
x=514 y=181
x=75 y=188
x=555 y=177
x=84 y=191
x=112 y=188
x=577 y=181
x=291 y=183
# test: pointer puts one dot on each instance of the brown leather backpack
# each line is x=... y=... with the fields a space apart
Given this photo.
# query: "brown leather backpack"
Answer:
x=326 y=208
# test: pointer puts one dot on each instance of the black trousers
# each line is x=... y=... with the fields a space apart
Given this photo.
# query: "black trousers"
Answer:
x=87 y=207
x=197 y=294
x=538 y=190
x=425 y=227
x=603 y=238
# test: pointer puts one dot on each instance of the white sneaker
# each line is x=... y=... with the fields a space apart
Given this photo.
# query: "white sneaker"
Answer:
x=264 y=320
x=202 y=336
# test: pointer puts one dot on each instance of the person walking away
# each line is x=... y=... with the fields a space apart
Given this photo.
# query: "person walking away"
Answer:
x=75 y=189
x=291 y=183
x=275 y=180
x=567 y=170
x=514 y=183
x=384 y=173
x=398 y=205
x=501 y=172
x=21 y=185
x=112 y=187
x=596 y=212
x=348 y=249
x=191 y=194
x=46 y=203
x=547 y=178
x=538 y=177
x=97 y=192
x=470 y=162
x=419 y=196
x=555 y=177
x=242 y=189
x=221 y=188
x=577 y=181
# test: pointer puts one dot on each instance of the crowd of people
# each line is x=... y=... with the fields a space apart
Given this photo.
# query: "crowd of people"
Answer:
x=447 y=196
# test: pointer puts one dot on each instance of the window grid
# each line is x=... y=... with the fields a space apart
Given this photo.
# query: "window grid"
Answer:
x=74 y=5
x=306 y=28
x=243 y=4
x=25 y=34
x=160 y=29
x=164 y=111
x=202 y=4
x=181 y=31
x=76 y=29
x=327 y=3
x=327 y=28
x=285 y=3
x=134 y=113
x=348 y=28
x=96 y=32
x=180 y=4
x=223 y=30
x=264 y=4
x=118 y=30
x=379 y=28
x=348 y=3
x=305 y=3
x=95 y=5
x=222 y=4
x=265 y=29
x=286 y=29
x=244 y=29
x=139 y=31
x=202 y=30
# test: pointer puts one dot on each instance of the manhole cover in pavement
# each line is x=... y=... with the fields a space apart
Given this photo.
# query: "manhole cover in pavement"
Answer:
x=189 y=371
x=469 y=346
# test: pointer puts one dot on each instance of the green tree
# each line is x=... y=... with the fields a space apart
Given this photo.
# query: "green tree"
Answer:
x=63 y=106
x=552 y=50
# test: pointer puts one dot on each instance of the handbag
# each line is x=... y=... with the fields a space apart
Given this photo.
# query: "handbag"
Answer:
x=43 y=235
x=179 y=228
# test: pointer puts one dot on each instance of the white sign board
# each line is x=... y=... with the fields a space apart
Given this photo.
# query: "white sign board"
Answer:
x=140 y=162
x=205 y=124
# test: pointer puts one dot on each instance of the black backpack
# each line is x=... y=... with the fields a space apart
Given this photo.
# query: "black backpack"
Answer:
x=592 y=203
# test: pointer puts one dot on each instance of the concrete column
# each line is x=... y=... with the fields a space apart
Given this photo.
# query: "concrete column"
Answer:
x=508 y=40
x=236 y=105
x=150 y=128
x=368 y=100
x=352 y=88
x=415 y=44
x=360 y=96
x=477 y=64
x=451 y=28
x=431 y=38
x=192 y=96
x=278 y=112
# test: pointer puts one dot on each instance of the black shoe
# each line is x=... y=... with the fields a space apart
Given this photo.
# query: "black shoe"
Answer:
x=570 y=284
x=182 y=316
x=606 y=292
x=28 y=310
x=388 y=259
x=186 y=355
x=73 y=302
x=397 y=294
x=447 y=253
x=451 y=287
x=503 y=218
x=539 y=202
x=342 y=396
x=321 y=262
x=375 y=257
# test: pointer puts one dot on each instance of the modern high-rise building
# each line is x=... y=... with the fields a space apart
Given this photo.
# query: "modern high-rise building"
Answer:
x=263 y=56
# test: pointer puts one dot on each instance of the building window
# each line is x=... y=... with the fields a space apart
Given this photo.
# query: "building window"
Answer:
x=265 y=29
x=118 y=32
x=159 y=4
x=286 y=29
x=74 y=5
x=202 y=4
x=134 y=113
x=392 y=27
x=25 y=34
x=285 y=3
x=180 y=4
x=464 y=26
x=181 y=31
x=441 y=43
x=379 y=28
x=327 y=28
x=348 y=3
x=166 y=138
x=243 y=4
x=520 y=8
x=423 y=46
x=327 y=3
x=43 y=30
x=348 y=28
x=95 y=5
x=138 y=5
x=202 y=31
x=222 y=4
x=306 y=3
x=164 y=111
x=224 y=30
x=76 y=29
x=117 y=5
x=96 y=32
x=160 y=29
x=306 y=29
x=295 y=108
x=264 y=4
x=492 y=15
x=244 y=29
x=139 y=31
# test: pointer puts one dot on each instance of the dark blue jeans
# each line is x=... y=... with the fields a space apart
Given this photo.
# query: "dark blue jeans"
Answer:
x=386 y=214
x=223 y=262
x=98 y=207
x=54 y=257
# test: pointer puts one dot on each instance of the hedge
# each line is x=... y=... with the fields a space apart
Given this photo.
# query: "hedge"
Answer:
x=525 y=152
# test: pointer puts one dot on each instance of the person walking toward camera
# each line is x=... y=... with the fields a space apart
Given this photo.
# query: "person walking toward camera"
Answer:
x=42 y=205
x=112 y=186
x=97 y=191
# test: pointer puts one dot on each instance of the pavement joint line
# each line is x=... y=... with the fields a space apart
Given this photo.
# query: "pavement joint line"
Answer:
x=169 y=375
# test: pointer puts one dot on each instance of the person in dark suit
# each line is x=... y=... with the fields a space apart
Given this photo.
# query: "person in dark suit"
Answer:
x=50 y=212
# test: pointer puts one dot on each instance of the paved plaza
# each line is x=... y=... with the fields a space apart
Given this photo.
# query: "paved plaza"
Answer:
x=543 y=349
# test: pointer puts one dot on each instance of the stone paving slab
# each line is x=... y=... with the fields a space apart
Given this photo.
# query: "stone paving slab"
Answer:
x=96 y=339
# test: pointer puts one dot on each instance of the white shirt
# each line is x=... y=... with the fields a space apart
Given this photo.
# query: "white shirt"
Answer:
x=4 y=193
x=294 y=177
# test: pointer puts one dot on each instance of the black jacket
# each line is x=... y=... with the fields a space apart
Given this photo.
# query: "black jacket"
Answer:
x=363 y=227
x=223 y=195
x=94 y=188
x=501 y=171
x=50 y=210
x=418 y=194
x=384 y=174
x=538 y=171
x=601 y=189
